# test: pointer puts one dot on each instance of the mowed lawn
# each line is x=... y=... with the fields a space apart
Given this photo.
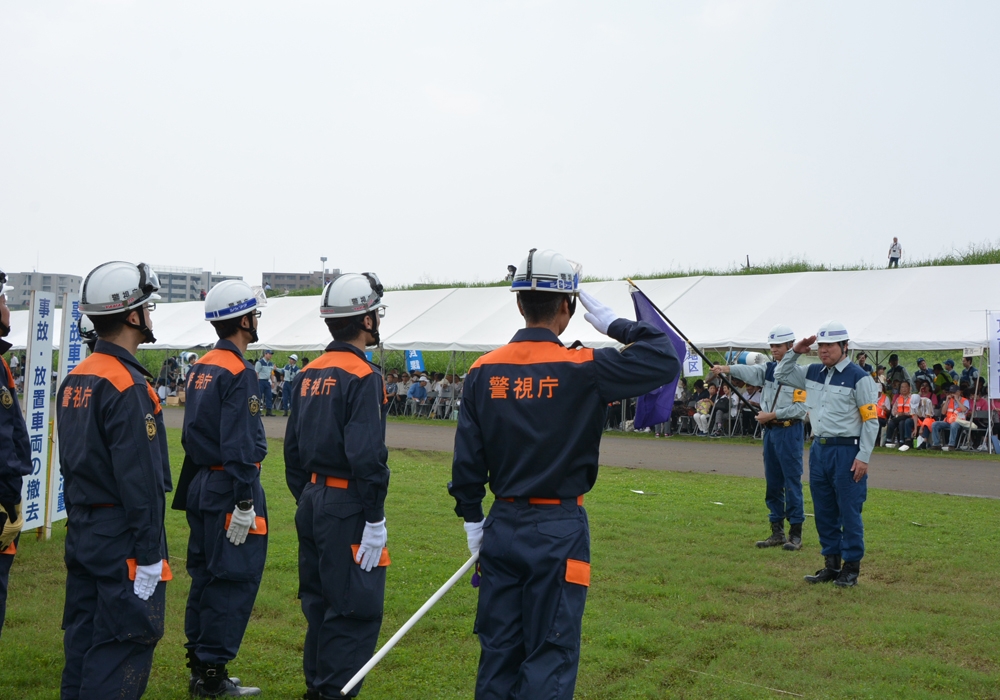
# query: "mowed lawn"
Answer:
x=681 y=604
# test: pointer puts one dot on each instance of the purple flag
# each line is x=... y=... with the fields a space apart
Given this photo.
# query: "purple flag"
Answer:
x=656 y=406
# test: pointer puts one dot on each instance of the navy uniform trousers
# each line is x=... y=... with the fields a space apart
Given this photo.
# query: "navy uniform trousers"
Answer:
x=837 y=500
x=6 y=561
x=783 y=473
x=110 y=632
x=224 y=577
x=341 y=601
x=529 y=615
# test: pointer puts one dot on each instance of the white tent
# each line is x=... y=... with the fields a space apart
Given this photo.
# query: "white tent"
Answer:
x=923 y=308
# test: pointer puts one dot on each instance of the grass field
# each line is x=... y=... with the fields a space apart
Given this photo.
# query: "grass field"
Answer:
x=681 y=604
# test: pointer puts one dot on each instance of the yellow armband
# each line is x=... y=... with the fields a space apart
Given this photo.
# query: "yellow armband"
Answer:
x=868 y=412
x=799 y=396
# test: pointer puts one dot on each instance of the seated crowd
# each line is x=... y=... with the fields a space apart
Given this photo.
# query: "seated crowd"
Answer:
x=423 y=394
x=935 y=408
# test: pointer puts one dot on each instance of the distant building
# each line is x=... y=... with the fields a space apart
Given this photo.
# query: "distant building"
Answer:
x=186 y=283
x=294 y=281
x=25 y=282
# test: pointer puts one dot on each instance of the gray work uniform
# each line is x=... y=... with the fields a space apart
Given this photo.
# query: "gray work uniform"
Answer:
x=783 y=441
x=841 y=404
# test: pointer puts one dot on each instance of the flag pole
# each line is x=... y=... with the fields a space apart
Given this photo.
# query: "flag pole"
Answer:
x=694 y=347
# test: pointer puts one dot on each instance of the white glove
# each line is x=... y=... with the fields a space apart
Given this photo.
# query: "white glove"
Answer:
x=12 y=524
x=146 y=578
x=474 y=533
x=599 y=316
x=372 y=542
x=243 y=521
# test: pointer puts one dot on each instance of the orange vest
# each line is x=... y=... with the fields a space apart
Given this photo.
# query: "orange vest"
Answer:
x=954 y=411
x=883 y=412
x=902 y=405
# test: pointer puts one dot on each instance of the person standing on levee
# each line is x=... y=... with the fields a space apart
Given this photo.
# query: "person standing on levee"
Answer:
x=840 y=398
x=783 y=408
x=530 y=427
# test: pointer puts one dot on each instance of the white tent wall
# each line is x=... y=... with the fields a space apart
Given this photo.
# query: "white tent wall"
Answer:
x=922 y=308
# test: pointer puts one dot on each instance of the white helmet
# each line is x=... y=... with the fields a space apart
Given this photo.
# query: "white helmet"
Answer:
x=87 y=333
x=546 y=271
x=4 y=287
x=190 y=357
x=232 y=299
x=780 y=334
x=352 y=294
x=832 y=332
x=293 y=356
x=118 y=286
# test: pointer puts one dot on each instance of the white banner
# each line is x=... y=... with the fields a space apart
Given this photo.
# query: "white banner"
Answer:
x=993 y=333
x=71 y=353
x=692 y=364
x=37 y=393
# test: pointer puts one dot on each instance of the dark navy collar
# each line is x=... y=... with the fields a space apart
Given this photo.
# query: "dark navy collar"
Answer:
x=339 y=346
x=105 y=348
x=536 y=335
x=230 y=346
x=4 y=347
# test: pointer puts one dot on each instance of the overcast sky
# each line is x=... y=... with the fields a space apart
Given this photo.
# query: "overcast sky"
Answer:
x=438 y=141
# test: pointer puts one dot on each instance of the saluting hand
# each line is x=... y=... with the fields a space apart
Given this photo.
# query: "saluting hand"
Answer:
x=860 y=469
x=802 y=346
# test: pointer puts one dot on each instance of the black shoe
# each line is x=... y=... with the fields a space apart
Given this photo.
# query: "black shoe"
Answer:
x=794 y=542
x=286 y=414
x=777 y=537
x=214 y=682
x=268 y=413
x=311 y=694
x=849 y=574
x=829 y=573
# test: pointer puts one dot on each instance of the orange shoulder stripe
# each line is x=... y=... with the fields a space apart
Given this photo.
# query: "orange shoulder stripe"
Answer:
x=347 y=361
x=107 y=367
x=534 y=353
x=10 y=377
x=224 y=359
x=154 y=398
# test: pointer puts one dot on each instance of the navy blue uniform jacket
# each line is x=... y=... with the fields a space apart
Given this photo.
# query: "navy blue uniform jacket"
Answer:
x=113 y=446
x=222 y=425
x=533 y=412
x=337 y=427
x=15 y=452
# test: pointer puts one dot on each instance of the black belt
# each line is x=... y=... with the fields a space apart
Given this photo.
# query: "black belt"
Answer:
x=834 y=441
x=782 y=423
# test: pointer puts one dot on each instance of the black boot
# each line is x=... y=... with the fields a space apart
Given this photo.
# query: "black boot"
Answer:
x=195 y=665
x=794 y=542
x=214 y=682
x=830 y=573
x=849 y=574
x=311 y=694
x=777 y=537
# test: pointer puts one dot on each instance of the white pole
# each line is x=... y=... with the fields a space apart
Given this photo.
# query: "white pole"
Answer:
x=409 y=624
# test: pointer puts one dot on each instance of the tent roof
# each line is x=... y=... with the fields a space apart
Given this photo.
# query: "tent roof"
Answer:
x=920 y=308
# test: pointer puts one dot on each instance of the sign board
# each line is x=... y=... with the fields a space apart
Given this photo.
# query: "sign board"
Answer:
x=414 y=361
x=973 y=352
x=38 y=381
x=692 y=364
x=993 y=333
x=72 y=351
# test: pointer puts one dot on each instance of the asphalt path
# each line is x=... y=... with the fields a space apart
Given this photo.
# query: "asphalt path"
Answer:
x=960 y=477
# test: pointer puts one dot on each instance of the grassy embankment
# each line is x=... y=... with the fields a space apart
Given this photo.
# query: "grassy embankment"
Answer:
x=681 y=604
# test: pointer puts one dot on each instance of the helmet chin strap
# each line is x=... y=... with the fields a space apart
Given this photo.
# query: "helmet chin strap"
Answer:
x=251 y=330
x=147 y=333
x=373 y=331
